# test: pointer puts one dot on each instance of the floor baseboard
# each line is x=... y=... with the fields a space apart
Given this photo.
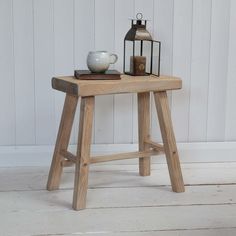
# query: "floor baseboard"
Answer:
x=13 y=156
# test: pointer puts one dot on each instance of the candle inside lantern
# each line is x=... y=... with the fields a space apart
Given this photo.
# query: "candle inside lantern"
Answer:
x=137 y=65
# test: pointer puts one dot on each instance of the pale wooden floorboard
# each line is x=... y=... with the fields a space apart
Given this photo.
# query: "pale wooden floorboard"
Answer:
x=120 y=219
x=105 y=176
x=206 y=232
x=42 y=200
x=120 y=202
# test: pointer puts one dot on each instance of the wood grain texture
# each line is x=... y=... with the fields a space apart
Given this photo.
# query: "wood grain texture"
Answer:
x=207 y=210
x=118 y=197
x=117 y=174
x=83 y=153
x=154 y=145
x=145 y=165
x=130 y=219
x=127 y=84
x=186 y=232
x=168 y=137
x=82 y=158
x=144 y=131
x=112 y=157
x=62 y=142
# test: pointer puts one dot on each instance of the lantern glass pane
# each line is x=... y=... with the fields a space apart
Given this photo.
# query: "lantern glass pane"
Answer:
x=137 y=48
x=128 y=55
x=147 y=53
x=156 y=59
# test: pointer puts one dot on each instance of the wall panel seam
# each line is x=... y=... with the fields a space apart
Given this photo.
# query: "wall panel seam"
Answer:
x=209 y=76
x=34 y=71
x=227 y=72
x=13 y=67
x=53 y=69
x=190 y=75
x=113 y=96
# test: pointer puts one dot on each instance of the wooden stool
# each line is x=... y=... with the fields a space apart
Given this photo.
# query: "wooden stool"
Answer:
x=87 y=90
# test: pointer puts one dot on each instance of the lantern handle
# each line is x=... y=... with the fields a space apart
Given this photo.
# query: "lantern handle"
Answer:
x=139 y=16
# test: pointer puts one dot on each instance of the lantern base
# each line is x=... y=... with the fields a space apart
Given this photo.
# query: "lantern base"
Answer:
x=146 y=74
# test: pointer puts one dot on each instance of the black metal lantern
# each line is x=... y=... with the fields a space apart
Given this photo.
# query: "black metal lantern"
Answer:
x=141 y=52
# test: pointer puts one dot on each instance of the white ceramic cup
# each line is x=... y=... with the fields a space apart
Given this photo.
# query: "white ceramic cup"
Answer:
x=99 y=61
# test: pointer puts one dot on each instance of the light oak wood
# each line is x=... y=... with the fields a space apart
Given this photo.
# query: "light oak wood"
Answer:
x=155 y=145
x=168 y=137
x=128 y=84
x=83 y=153
x=68 y=155
x=144 y=131
x=122 y=156
x=113 y=157
x=67 y=163
x=62 y=142
x=142 y=85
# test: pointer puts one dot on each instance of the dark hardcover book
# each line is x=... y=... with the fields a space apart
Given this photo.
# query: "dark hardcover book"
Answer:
x=88 y=75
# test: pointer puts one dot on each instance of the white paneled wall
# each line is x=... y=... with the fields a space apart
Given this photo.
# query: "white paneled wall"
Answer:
x=43 y=38
x=200 y=59
x=124 y=118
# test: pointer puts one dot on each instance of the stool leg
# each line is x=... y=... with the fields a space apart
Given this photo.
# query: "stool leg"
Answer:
x=143 y=131
x=168 y=137
x=62 y=142
x=83 y=153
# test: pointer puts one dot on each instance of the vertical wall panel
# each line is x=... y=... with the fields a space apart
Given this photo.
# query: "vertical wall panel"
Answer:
x=182 y=66
x=24 y=71
x=218 y=70
x=123 y=113
x=200 y=70
x=230 y=129
x=84 y=34
x=163 y=31
x=7 y=103
x=63 y=48
x=104 y=40
x=44 y=71
x=84 y=31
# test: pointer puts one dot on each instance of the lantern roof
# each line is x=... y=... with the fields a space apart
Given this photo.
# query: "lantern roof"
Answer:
x=138 y=29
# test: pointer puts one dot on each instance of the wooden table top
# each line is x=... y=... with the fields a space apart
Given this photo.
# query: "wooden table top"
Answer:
x=127 y=84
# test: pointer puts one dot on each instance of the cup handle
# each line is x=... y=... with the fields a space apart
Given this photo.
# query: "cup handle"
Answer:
x=113 y=58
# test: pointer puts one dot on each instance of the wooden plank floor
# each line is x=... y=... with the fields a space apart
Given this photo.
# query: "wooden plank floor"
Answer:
x=120 y=202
